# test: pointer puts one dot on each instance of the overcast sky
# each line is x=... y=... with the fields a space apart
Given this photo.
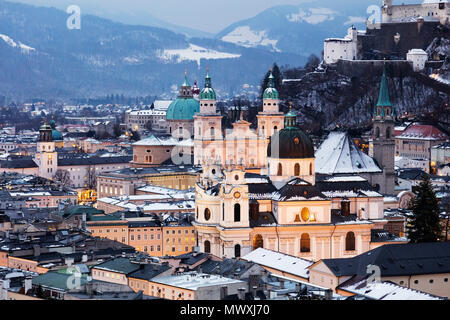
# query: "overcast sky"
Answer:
x=206 y=15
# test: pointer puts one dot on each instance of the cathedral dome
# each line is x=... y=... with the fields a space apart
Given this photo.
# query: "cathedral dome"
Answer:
x=292 y=141
x=185 y=106
x=183 y=109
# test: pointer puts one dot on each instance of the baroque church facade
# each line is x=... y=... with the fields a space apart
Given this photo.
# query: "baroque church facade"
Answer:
x=260 y=188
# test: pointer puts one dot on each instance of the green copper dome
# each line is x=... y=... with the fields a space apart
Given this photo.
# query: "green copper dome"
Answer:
x=271 y=92
x=293 y=143
x=183 y=109
x=208 y=92
x=185 y=106
x=56 y=135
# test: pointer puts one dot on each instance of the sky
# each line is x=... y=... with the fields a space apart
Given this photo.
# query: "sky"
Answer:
x=206 y=15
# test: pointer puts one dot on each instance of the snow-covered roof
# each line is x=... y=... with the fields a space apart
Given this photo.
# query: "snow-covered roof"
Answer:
x=339 y=154
x=387 y=291
x=280 y=261
x=194 y=280
x=159 y=141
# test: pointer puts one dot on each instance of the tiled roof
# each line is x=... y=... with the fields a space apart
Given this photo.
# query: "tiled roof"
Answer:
x=397 y=260
x=423 y=131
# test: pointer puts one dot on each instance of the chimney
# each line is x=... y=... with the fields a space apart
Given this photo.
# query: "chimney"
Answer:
x=27 y=284
x=36 y=250
x=223 y=292
x=328 y=294
x=89 y=289
x=241 y=293
x=345 y=207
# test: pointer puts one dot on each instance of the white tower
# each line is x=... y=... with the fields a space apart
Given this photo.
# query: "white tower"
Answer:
x=46 y=156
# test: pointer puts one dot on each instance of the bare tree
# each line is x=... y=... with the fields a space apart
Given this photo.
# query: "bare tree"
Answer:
x=91 y=178
x=62 y=177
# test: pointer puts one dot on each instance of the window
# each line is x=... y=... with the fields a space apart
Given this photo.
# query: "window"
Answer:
x=296 y=169
x=237 y=251
x=258 y=242
x=305 y=243
x=310 y=169
x=237 y=212
x=377 y=132
x=280 y=170
x=207 y=245
x=207 y=214
x=350 y=241
x=388 y=132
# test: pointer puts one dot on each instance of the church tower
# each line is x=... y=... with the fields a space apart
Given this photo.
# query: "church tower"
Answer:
x=208 y=135
x=270 y=120
x=383 y=137
x=46 y=156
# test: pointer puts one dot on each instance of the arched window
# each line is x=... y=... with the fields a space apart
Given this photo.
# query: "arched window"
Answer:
x=207 y=246
x=280 y=170
x=237 y=212
x=350 y=241
x=258 y=242
x=296 y=169
x=135 y=158
x=377 y=132
x=310 y=169
x=305 y=214
x=207 y=214
x=388 y=132
x=305 y=243
x=237 y=251
x=212 y=132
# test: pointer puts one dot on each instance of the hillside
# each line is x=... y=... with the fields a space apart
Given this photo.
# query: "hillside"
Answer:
x=40 y=57
x=299 y=29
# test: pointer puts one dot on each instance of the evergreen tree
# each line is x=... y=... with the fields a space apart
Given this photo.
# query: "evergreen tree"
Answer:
x=424 y=226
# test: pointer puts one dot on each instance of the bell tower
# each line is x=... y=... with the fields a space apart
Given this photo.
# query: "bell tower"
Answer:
x=208 y=135
x=270 y=120
x=46 y=156
x=383 y=137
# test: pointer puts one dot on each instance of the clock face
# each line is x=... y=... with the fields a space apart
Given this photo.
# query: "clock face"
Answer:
x=237 y=195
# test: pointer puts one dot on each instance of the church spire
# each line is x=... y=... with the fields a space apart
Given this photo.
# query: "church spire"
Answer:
x=271 y=92
x=208 y=92
x=384 y=105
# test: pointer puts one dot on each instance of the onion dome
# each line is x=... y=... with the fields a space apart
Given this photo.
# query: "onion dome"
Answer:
x=293 y=143
x=271 y=92
x=185 y=106
x=208 y=92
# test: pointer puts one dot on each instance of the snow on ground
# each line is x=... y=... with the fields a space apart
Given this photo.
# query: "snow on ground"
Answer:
x=246 y=37
x=195 y=53
x=12 y=43
x=314 y=16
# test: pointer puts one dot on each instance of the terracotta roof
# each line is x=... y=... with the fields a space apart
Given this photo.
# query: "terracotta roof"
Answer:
x=423 y=131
